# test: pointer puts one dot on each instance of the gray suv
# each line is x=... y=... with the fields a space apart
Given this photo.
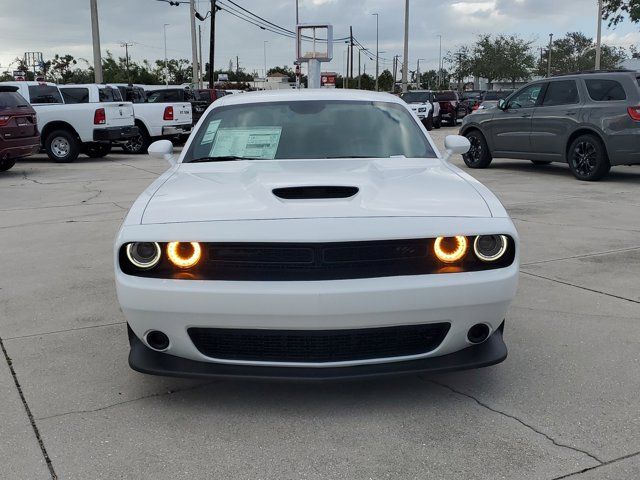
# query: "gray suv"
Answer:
x=589 y=120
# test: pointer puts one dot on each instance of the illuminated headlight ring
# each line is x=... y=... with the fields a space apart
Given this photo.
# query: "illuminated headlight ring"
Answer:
x=144 y=255
x=493 y=249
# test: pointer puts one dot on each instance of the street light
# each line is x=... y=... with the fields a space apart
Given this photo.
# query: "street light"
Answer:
x=440 y=62
x=599 y=39
x=166 y=62
x=418 y=79
x=377 y=46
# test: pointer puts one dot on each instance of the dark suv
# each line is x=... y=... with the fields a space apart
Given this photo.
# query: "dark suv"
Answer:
x=19 y=136
x=589 y=120
x=451 y=108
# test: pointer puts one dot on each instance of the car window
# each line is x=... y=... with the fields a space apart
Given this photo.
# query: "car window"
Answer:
x=527 y=97
x=11 y=100
x=415 y=97
x=165 y=96
x=445 y=96
x=496 y=95
x=75 y=95
x=563 y=92
x=601 y=90
x=44 y=94
x=108 y=94
x=310 y=129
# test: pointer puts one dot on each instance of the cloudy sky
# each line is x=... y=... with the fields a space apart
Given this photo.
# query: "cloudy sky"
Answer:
x=63 y=26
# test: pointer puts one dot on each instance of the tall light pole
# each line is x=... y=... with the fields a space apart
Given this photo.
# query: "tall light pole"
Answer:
x=599 y=36
x=418 y=80
x=549 y=55
x=405 y=65
x=95 y=33
x=166 y=61
x=377 y=47
x=194 y=44
x=440 y=62
x=297 y=14
x=265 y=60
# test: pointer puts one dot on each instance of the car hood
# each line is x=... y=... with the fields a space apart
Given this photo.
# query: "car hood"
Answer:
x=244 y=190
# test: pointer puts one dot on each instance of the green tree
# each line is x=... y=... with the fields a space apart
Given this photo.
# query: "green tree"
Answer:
x=285 y=71
x=576 y=52
x=502 y=58
x=461 y=62
x=615 y=11
x=385 y=81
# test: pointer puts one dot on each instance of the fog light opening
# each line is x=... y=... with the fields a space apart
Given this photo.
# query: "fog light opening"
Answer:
x=478 y=333
x=157 y=340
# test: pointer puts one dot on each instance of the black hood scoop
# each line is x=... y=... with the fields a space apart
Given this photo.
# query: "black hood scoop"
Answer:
x=314 y=192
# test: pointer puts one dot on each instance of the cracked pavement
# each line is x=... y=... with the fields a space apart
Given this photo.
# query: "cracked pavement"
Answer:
x=564 y=404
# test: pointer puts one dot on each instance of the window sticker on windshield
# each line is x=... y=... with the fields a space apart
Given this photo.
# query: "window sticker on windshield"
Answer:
x=257 y=142
x=210 y=133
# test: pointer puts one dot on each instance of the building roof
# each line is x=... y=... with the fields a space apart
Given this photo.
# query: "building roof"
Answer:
x=277 y=74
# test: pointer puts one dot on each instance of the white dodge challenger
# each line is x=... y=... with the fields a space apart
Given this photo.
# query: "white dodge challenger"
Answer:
x=314 y=234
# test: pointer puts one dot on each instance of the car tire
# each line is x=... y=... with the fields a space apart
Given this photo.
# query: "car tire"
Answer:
x=539 y=163
x=97 y=150
x=478 y=155
x=454 y=119
x=587 y=158
x=7 y=164
x=437 y=123
x=428 y=122
x=139 y=144
x=62 y=146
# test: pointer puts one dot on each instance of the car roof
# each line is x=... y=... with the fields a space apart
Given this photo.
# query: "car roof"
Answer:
x=29 y=83
x=308 y=94
x=86 y=85
x=590 y=73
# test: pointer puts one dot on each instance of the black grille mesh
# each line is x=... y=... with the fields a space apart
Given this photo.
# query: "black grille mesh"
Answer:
x=317 y=346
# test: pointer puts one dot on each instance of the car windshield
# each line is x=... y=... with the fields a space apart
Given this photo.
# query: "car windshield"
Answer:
x=445 y=96
x=496 y=95
x=12 y=100
x=309 y=129
x=415 y=97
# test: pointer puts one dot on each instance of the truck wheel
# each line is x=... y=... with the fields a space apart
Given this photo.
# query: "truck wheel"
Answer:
x=437 y=123
x=7 y=164
x=61 y=146
x=588 y=159
x=478 y=155
x=97 y=150
x=138 y=144
x=428 y=123
x=454 y=119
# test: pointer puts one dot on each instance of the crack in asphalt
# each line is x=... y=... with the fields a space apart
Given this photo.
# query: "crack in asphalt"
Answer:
x=124 y=402
x=81 y=204
x=30 y=335
x=609 y=229
x=585 y=255
x=522 y=422
x=603 y=464
x=32 y=420
x=580 y=287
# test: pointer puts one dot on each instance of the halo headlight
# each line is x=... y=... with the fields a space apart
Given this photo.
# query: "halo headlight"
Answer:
x=184 y=254
x=490 y=248
x=144 y=255
x=450 y=249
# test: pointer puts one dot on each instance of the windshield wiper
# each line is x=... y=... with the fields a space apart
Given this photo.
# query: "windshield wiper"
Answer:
x=222 y=158
x=349 y=156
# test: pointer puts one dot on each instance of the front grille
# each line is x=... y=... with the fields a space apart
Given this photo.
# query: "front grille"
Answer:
x=318 y=346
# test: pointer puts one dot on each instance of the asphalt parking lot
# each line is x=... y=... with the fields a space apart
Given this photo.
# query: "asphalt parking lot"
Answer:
x=565 y=403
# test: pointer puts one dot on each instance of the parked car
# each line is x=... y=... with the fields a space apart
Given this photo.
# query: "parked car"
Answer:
x=170 y=95
x=314 y=234
x=450 y=107
x=167 y=120
x=471 y=99
x=68 y=129
x=97 y=93
x=210 y=95
x=491 y=98
x=19 y=136
x=590 y=121
x=423 y=103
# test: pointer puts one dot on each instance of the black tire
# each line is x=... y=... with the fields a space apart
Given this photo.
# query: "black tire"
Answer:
x=62 y=146
x=428 y=122
x=437 y=123
x=588 y=158
x=137 y=145
x=7 y=164
x=97 y=150
x=478 y=155
x=539 y=163
x=454 y=119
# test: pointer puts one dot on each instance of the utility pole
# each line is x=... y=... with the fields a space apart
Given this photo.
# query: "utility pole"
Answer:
x=377 y=48
x=351 y=38
x=95 y=33
x=194 y=43
x=549 y=55
x=212 y=41
x=359 y=69
x=297 y=14
x=599 y=36
x=166 y=61
x=199 y=56
x=418 y=80
x=395 y=69
x=126 y=57
x=347 y=72
x=265 y=61
x=405 y=65
x=440 y=63
x=237 y=65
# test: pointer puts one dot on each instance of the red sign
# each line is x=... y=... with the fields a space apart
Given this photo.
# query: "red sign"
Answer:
x=328 y=78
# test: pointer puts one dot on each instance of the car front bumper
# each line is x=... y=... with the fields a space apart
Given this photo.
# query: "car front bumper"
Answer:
x=112 y=134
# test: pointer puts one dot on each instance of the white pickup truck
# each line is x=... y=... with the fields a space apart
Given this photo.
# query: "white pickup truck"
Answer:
x=154 y=120
x=70 y=129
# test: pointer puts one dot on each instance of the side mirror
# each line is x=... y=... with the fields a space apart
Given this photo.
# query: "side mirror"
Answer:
x=163 y=149
x=502 y=104
x=456 y=145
